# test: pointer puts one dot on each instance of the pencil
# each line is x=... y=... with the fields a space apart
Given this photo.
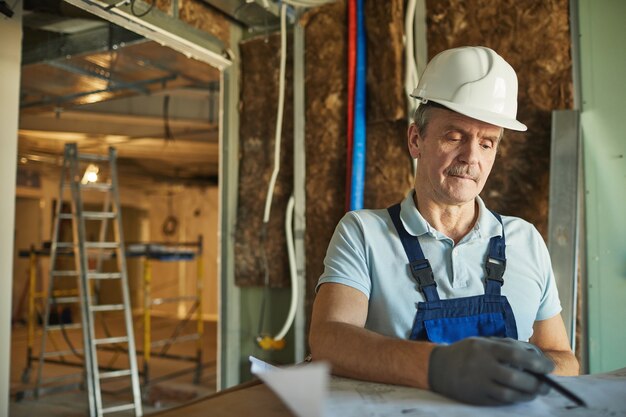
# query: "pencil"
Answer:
x=558 y=387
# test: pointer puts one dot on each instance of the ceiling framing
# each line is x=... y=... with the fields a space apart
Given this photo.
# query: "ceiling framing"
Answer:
x=88 y=81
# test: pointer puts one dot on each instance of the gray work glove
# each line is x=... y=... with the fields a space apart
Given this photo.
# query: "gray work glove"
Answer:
x=525 y=345
x=488 y=371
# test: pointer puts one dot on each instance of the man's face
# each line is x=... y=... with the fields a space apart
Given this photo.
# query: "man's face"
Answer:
x=455 y=156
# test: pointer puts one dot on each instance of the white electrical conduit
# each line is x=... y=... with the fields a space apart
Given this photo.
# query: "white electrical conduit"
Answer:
x=270 y=192
x=277 y=141
x=292 y=270
x=411 y=76
x=281 y=95
x=307 y=3
x=279 y=116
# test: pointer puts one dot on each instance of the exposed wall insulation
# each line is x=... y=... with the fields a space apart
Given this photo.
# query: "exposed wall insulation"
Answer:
x=388 y=165
x=199 y=15
x=389 y=172
x=533 y=36
x=385 y=54
x=202 y=17
x=325 y=107
x=259 y=101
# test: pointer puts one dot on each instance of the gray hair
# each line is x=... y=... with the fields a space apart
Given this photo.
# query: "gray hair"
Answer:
x=421 y=117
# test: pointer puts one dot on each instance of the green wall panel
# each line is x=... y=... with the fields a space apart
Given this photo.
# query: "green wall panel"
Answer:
x=276 y=309
x=603 y=65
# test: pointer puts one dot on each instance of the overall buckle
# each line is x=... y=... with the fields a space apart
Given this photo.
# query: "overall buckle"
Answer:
x=495 y=269
x=422 y=272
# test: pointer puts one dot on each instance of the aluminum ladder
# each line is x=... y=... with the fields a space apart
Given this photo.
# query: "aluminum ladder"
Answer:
x=88 y=275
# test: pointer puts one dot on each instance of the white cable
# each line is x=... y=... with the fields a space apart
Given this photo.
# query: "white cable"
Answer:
x=307 y=3
x=270 y=190
x=292 y=270
x=411 y=77
x=279 y=116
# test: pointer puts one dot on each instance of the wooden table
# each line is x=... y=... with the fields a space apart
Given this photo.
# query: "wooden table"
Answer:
x=251 y=398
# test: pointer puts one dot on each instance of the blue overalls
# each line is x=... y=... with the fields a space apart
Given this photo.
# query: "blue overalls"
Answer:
x=447 y=321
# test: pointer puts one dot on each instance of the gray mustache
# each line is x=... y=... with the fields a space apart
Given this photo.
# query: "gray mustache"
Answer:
x=463 y=170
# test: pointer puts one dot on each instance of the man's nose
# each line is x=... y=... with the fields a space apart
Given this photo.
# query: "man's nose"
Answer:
x=470 y=152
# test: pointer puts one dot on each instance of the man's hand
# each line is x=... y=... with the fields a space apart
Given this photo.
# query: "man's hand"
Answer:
x=488 y=371
x=524 y=345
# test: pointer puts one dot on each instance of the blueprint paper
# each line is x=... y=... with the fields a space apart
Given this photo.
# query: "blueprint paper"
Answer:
x=605 y=395
x=257 y=366
x=304 y=391
x=303 y=388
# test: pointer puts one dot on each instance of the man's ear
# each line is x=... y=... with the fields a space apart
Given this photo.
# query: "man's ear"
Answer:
x=413 y=141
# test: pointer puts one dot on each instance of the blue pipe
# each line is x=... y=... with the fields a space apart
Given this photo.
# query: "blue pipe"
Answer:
x=359 y=141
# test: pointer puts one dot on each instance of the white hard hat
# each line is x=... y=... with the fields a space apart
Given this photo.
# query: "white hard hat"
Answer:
x=474 y=81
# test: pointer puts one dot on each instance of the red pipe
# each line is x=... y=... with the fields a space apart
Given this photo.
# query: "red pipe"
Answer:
x=352 y=28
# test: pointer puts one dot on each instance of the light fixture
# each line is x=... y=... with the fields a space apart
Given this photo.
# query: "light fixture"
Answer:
x=91 y=174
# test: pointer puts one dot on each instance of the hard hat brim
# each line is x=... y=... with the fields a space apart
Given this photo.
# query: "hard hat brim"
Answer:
x=482 y=115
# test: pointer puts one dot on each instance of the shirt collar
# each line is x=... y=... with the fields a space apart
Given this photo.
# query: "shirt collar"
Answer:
x=487 y=225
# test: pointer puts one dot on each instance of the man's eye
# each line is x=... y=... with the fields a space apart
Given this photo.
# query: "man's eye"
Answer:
x=487 y=145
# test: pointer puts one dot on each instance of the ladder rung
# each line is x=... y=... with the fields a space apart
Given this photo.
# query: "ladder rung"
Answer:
x=115 y=374
x=102 y=245
x=107 y=307
x=62 y=353
x=92 y=157
x=99 y=215
x=117 y=408
x=64 y=326
x=66 y=216
x=110 y=340
x=64 y=245
x=64 y=300
x=104 y=275
x=98 y=186
x=65 y=273
x=159 y=301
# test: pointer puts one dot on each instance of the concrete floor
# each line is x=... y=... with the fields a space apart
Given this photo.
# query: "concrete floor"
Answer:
x=161 y=393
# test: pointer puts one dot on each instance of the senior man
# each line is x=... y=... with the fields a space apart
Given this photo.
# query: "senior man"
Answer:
x=438 y=292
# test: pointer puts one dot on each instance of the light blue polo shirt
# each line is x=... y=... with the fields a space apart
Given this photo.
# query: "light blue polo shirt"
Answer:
x=365 y=253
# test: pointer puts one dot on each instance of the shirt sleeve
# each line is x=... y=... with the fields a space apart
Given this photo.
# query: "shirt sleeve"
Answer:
x=346 y=261
x=550 y=304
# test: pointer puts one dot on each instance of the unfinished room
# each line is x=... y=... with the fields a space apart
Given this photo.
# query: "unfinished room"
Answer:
x=312 y=208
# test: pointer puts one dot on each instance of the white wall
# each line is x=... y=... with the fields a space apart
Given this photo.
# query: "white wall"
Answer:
x=197 y=212
x=10 y=59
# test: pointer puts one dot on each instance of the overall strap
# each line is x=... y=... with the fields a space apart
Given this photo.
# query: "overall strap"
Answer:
x=495 y=265
x=419 y=265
